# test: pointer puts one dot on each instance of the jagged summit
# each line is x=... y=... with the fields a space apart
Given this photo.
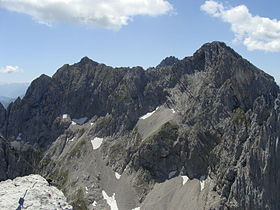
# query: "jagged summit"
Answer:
x=86 y=60
x=169 y=61
x=217 y=47
x=209 y=50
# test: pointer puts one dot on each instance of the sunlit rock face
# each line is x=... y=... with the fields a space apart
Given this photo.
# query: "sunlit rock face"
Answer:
x=31 y=192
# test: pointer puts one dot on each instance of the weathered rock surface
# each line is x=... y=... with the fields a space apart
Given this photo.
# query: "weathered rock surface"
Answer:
x=34 y=192
x=169 y=61
x=5 y=101
x=2 y=118
x=212 y=118
x=16 y=159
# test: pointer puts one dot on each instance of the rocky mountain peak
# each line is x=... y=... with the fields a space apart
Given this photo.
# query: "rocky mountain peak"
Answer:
x=39 y=87
x=204 y=126
x=217 y=48
x=168 y=61
x=213 y=54
x=86 y=60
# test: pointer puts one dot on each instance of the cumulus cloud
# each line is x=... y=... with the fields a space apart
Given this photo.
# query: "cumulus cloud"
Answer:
x=255 y=32
x=111 y=14
x=10 y=69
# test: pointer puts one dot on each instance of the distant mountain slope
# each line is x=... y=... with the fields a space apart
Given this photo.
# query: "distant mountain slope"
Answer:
x=198 y=133
x=6 y=101
x=13 y=90
x=10 y=91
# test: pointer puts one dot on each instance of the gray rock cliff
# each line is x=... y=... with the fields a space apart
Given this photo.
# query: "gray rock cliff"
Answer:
x=202 y=131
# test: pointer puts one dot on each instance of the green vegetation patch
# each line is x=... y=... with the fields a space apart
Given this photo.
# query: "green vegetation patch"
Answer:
x=76 y=149
x=79 y=202
x=104 y=122
x=166 y=131
x=81 y=132
x=61 y=178
x=239 y=117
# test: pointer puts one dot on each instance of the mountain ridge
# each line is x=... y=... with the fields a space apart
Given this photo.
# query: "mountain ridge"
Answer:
x=212 y=117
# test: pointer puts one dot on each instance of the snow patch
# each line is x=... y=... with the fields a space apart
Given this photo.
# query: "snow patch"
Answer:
x=110 y=200
x=185 y=179
x=118 y=176
x=19 y=137
x=171 y=174
x=173 y=111
x=277 y=141
x=94 y=203
x=202 y=182
x=276 y=104
x=86 y=190
x=91 y=123
x=149 y=114
x=96 y=143
x=79 y=121
x=73 y=123
x=137 y=208
x=70 y=140
x=65 y=116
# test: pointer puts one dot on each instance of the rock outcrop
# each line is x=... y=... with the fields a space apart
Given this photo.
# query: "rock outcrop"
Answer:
x=202 y=131
x=31 y=192
x=16 y=159
x=2 y=119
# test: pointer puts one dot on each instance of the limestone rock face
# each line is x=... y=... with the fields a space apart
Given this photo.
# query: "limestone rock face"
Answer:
x=2 y=119
x=169 y=61
x=31 y=192
x=16 y=159
x=202 y=131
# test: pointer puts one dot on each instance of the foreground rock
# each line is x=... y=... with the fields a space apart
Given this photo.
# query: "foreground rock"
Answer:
x=31 y=192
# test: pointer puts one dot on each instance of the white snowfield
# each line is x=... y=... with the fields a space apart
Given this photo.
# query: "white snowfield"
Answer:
x=19 y=137
x=96 y=142
x=36 y=194
x=185 y=179
x=149 y=114
x=277 y=141
x=94 y=203
x=110 y=200
x=202 y=182
x=118 y=176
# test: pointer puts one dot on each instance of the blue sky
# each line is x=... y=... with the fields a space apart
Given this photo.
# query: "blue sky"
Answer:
x=35 y=41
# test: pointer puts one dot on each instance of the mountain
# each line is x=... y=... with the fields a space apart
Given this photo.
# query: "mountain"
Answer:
x=13 y=90
x=196 y=133
x=10 y=91
x=6 y=101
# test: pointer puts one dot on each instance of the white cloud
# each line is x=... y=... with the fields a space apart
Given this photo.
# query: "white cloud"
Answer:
x=112 y=14
x=255 y=32
x=10 y=69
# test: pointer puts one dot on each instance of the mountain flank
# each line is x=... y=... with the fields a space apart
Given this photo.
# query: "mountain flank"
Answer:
x=197 y=133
